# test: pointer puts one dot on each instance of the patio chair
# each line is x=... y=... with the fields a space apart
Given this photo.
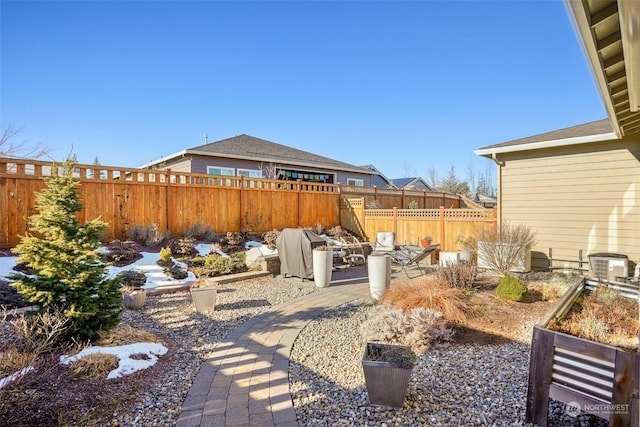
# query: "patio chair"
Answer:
x=385 y=241
x=353 y=250
x=404 y=258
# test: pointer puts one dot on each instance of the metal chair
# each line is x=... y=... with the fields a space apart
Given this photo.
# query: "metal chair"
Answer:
x=353 y=249
x=404 y=258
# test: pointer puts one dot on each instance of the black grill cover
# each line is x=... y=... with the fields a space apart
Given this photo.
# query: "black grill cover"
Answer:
x=295 y=247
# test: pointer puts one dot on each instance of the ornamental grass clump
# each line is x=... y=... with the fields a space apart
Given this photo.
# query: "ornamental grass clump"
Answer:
x=125 y=334
x=432 y=293
x=399 y=357
x=147 y=235
x=512 y=288
x=94 y=366
x=200 y=231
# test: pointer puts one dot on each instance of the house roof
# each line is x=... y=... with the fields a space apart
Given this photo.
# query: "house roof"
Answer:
x=251 y=148
x=389 y=183
x=589 y=132
x=410 y=182
x=606 y=31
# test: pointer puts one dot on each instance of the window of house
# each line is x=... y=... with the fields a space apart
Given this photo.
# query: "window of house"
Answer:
x=356 y=182
x=215 y=170
x=250 y=173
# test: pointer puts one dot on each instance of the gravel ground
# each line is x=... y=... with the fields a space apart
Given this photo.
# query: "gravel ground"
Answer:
x=468 y=385
x=195 y=335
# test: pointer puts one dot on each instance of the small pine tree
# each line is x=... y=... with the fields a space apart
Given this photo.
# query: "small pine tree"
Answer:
x=68 y=274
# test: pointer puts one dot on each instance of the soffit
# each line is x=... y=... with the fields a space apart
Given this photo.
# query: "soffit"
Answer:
x=598 y=23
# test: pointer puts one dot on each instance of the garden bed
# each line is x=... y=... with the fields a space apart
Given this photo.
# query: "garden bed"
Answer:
x=595 y=377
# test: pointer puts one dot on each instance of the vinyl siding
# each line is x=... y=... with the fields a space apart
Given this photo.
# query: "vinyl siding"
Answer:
x=199 y=164
x=581 y=198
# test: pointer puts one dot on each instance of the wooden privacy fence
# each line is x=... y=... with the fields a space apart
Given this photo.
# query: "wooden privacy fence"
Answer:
x=174 y=201
x=410 y=225
x=389 y=197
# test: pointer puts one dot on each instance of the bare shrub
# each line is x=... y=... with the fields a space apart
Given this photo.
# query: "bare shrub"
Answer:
x=125 y=334
x=185 y=246
x=120 y=251
x=94 y=366
x=148 y=235
x=430 y=293
x=270 y=238
x=337 y=231
x=373 y=204
x=201 y=231
x=418 y=328
x=460 y=275
x=503 y=250
x=37 y=333
x=235 y=239
x=26 y=340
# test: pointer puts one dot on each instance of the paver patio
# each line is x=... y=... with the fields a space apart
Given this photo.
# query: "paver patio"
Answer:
x=245 y=382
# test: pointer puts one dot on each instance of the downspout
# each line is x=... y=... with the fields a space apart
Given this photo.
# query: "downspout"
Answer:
x=499 y=165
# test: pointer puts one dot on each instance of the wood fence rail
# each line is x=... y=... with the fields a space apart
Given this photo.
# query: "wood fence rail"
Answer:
x=410 y=225
x=174 y=201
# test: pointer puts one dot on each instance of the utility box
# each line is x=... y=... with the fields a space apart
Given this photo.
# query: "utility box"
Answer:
x=609 y=267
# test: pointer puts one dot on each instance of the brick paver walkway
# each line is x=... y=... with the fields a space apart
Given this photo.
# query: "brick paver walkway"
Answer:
x=245 y=380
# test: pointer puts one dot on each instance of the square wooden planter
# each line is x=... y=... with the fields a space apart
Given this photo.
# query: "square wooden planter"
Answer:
x=596 y=378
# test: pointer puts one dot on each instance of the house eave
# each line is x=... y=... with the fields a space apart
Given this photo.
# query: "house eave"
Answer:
x=164 y=159
x=255 y=159
x=540 y=145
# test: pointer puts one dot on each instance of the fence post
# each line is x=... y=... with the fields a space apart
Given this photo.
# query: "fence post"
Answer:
x=167 y=212
x=298 y=214
x=443 y=244
x=240 y=201
x=395 y=221
x=361 y=216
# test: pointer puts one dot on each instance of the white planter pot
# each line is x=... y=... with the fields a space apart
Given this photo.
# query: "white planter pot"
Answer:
x=204 y=299
x=322 y=266
x=447 y=258
x=134 y=300
x=465 y=255
x=379 y=270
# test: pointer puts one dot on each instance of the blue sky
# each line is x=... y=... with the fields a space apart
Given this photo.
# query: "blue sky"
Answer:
x=405 y=86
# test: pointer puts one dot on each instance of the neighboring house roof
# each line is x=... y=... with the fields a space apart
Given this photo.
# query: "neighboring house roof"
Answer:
x=605 y=31
x=483 y=199
x=247 y=147
x=379 y=179
x=412 y=183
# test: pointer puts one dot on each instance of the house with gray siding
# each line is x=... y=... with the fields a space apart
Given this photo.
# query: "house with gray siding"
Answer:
x=248 y=156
